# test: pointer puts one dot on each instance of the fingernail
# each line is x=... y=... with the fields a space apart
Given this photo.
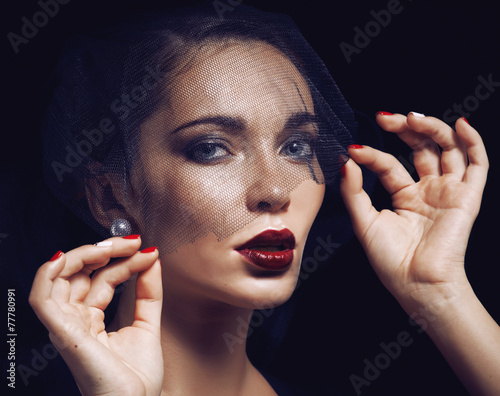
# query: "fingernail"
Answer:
x=342 y=161
x=465 y=119
x=104 y=243
x=56 y=256
x=342 y=171
x=383 y=113
x=134 y=236
x=420 y=115
x=355 y=146
x=149 y=249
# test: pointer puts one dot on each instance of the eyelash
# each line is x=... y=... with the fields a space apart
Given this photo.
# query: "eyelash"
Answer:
x=303 y=140
x=203 y=152
x=197 y=150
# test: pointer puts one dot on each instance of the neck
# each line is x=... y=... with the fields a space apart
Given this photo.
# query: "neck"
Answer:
x=203 y=347
x=205 y=337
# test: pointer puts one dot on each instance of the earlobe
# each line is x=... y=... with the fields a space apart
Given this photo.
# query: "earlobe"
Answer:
x=106 y=200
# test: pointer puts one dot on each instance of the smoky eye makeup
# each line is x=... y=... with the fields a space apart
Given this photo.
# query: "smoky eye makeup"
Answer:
x=207 y=150
x=200 y=139
x=299 y=146
x=212 y=140
x=300 y=136
x=206 y=139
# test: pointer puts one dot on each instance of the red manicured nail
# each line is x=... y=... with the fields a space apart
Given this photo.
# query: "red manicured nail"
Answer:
x=342 y=171
x=383 y=113
x=56 y=256
x=342 y=161
x=355 y=146
x=134 y=236
x=465 y=119
x=149 y=249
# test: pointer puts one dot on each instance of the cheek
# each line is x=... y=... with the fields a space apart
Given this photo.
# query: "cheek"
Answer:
x=310 y=196
x=189 y=204
x=306 y=201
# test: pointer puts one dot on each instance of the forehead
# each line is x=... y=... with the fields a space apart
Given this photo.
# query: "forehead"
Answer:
x=240 y=78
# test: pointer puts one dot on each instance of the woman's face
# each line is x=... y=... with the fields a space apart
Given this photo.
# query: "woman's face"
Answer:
x=230 y=157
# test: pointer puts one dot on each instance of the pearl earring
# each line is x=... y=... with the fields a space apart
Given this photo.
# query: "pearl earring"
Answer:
x=120 y=227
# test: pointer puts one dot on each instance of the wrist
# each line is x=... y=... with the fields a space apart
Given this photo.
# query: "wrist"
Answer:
x=439 y=305
x=433 y=297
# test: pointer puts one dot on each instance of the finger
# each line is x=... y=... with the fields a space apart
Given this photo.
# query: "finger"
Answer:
x=357 y=202
x=61 y=290
x=391 y=173
x=477 y=170
x=105 y=280
x=96 y=256
x=80 y=285
x=45 y=307
x=149 y=297
x=72 y=283
x=426 y=154
x=453 y=157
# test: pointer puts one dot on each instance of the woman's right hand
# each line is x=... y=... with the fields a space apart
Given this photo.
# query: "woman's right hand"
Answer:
x=71 y=305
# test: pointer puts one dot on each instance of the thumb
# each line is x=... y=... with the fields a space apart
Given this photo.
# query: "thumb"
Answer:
x=149 y=297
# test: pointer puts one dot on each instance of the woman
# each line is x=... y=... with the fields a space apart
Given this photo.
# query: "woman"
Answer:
x=225 y=173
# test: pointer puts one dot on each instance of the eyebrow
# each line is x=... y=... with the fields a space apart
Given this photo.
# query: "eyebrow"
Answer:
x=223 y=121
x=295 y=121
x=298 y=119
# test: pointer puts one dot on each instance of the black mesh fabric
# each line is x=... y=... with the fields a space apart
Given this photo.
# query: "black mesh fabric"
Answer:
x=111 y=148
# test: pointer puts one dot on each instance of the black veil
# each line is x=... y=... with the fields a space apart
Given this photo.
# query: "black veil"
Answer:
x=90 y=129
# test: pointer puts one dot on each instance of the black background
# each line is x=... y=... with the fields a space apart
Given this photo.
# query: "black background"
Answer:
x=428 y=58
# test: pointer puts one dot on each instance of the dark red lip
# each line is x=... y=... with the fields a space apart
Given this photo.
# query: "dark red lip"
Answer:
x=283 y=240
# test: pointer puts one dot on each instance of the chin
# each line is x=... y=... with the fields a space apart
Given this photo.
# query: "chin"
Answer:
x=262 y=289
x=216 y=273
x=264 y=294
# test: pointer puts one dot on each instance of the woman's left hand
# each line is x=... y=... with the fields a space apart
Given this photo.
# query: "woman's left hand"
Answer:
x=419 y=246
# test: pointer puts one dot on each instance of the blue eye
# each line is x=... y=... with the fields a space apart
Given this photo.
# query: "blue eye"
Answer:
x=299 y=148
x=207 y=152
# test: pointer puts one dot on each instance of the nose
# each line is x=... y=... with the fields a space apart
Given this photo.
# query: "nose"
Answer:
x=268 y=191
